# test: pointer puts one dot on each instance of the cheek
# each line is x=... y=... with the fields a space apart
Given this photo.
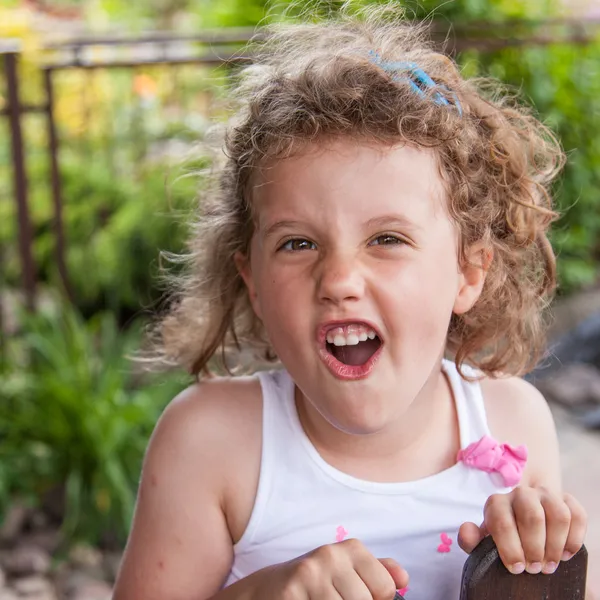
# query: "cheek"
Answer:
x=420 y=295
x=283 y=301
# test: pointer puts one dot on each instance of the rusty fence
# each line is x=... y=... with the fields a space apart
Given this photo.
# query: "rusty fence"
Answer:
x=155 y=49
x=116 y=53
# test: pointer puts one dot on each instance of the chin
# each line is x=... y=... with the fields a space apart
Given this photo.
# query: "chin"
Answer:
x=360 y=428
x=364 y=420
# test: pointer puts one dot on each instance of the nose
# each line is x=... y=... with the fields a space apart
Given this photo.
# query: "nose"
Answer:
x=340 y=279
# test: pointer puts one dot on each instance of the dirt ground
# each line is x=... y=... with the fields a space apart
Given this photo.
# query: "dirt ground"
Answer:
x=580 y=454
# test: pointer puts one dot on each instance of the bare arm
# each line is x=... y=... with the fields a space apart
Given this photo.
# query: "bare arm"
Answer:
x=180 y=546
x=518 y=413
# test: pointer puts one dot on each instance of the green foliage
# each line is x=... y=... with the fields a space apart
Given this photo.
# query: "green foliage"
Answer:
x=74 y=415
x=479 y=10
x=240 y=13
x=115 y=229
x=198 y=13
x=562 y=82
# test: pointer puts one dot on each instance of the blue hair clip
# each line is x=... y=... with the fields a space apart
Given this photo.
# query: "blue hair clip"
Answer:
x=418 y=79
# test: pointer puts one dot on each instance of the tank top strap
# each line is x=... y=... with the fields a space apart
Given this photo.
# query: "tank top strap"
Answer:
x=470 y=407
x=278 y=444
x=277 y=393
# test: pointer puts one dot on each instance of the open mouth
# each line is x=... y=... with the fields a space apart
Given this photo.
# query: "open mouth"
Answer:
x=354 y=355
x=352 y=345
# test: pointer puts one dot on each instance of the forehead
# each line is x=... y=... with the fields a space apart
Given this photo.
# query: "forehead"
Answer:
x=343 y=178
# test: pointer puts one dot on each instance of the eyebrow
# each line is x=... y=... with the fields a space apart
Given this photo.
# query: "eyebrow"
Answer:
x=393 y=219
x=275 y=227
x=384 y=220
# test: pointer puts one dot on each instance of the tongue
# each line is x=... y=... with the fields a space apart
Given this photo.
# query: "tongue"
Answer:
x=355 y=355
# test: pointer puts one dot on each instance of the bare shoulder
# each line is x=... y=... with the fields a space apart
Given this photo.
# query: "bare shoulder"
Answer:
x=513 y=399
x=216 y=425
x=207 y=420
x=205 y=447
x=215 y=407
x=519 y=415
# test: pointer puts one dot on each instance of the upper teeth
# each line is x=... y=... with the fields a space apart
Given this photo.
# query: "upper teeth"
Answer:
x=350 y=335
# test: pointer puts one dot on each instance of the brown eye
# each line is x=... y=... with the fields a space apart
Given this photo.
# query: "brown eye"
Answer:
x=386 y=240
x=297 y=244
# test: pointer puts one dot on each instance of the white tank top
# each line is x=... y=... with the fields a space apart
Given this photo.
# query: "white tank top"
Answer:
x=303 y=502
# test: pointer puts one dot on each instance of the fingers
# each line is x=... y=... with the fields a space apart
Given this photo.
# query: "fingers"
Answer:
x=351 y=587
x=500 y=522
x=375 y=579
x=469 y=536
x=577 y=527
x=399 y=574
x=533 y=529
x=549 y=535
x=531 y=525
x=558 y=521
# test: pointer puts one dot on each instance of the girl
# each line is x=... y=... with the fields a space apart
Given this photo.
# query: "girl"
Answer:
x=379 y=230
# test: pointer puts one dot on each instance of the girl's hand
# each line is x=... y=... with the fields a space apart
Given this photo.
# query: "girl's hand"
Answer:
x=533 y=529
x=343 y=571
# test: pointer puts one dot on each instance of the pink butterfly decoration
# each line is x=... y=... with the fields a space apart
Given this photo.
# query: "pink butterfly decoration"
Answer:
x=446 y=543
x=340 y=534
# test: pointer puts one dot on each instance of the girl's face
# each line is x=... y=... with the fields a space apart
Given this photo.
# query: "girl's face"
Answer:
x=353 y=270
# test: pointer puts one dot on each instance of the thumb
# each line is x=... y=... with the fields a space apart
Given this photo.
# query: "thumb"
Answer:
x=399 y=575
x=469 y=536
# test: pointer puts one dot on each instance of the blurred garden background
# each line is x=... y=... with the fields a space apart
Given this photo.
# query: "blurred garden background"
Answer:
x=102 y=105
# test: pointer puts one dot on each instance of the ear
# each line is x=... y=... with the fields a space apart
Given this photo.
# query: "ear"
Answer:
x=472 y=277
x=242 y=262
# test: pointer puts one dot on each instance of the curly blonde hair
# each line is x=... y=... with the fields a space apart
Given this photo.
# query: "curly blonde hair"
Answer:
x=317 y=80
